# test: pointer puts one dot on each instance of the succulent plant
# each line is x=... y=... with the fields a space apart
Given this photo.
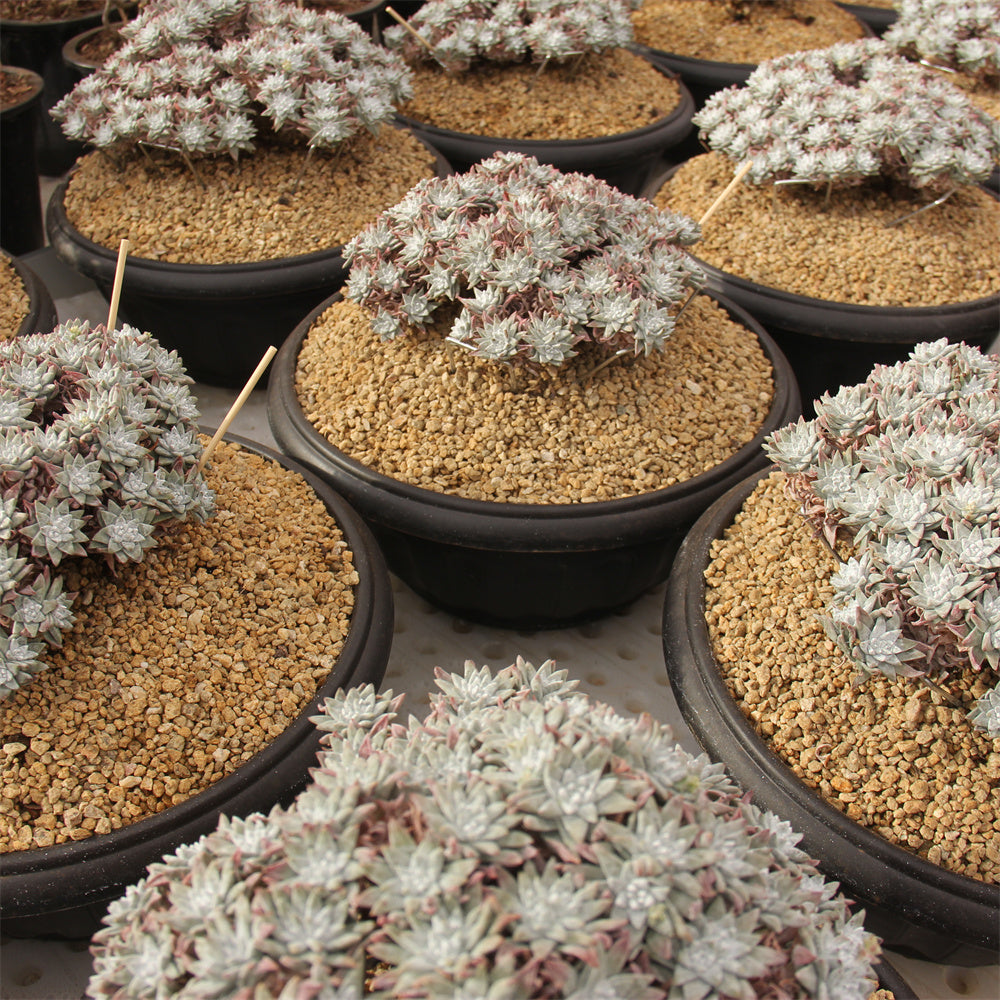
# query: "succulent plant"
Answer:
x=905 y=469
x=537 y=262
x=458 y=33
x=98 y=449
x=962 y=35
x=849 y=113
x=520 y=841
x=208 y=77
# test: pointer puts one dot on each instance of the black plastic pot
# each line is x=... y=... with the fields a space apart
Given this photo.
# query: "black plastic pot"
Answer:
x=37 y=45
x=702 y=77
x=833 y=344
x=517 y=565
x=890 y=979
x=21 y=228
x=78 y=64
x=624 y=160
x=877 y=18
x=220 y=318
x=42 y=317
x=916 y=907
x=63 y=891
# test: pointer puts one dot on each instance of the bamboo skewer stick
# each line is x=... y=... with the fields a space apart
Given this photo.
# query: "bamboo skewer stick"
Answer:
x=116 y=289
x=730 y=187
x=413 y=31
x=236 y=407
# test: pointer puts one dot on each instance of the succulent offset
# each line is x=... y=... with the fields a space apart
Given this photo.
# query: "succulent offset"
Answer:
x=906 y=468
x=849 y=113
x=537 y=262
x=463 y=32
x=519 y=842
x=97 y=446
x=963 y=35
x=209 y=77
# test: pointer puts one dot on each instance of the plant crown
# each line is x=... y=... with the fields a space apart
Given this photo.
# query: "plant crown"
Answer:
x=463 y=32
x=963 y=35
x=848 y=113
x=538 y=261
x=520 y=841
x=98 y=442
x=905 y=468
x=207 y=77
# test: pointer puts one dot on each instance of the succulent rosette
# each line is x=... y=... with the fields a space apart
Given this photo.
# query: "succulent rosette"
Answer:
x=905 y=469
x=537 y=262
x=850 y=113
x=98 y=448
x=519 y=842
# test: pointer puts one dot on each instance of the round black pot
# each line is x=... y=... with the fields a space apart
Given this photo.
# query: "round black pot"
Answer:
x=37 y=45
x=702 y=77
x=624 y=160
x=63 y=891
x=527 y=566
x=220 y=318
x=916 y=907
x=76 y=62
x=877 y=18
x=20 y=202
x=42 y=316
x=890 y=979
x=833 y=344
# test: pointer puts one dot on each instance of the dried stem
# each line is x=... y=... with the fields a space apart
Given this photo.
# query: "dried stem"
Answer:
x=932 y=204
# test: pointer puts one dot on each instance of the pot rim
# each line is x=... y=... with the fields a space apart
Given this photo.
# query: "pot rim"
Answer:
x=703 y=696
x=371 y=611
x=494 y=509
x=11 y=110
x=40 y=304
x=683 y=109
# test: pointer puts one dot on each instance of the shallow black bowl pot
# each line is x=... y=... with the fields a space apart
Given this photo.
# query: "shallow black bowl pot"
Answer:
x=624 y=160
x=833 y=344
x=519 y=565
x=63 y=891
x=42 y=317
x=916 y=907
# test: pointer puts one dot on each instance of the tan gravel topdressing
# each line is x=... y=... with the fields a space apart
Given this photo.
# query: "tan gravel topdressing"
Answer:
x=246 y=212
x=891 y=755
x=14 y=302
x=604 y=94
x=426 y=412
x=792 y=239
x=702 y=29
x=182 y=667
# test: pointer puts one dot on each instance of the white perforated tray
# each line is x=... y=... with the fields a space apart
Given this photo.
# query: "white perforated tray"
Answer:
x=618 y=660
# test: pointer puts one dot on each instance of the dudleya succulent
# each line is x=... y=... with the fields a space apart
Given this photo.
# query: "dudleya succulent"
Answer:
x=459 y=33
x=536 y=261
x=905 y=468
x=98 y=448
x=209 y=77
x=850 y=113
x=519 y=842
x=961 y=35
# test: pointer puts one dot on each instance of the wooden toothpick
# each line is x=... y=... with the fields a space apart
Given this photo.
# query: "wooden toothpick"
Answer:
x=116 y=289
x=236 y=407
x=730 y=187
x=416 y=34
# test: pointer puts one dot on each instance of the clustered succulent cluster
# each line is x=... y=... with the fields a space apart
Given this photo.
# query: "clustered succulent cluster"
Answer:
x=520 y=841
x=461 y=32
x=905 y=467
x=98 y=441
x=207 y=77
x=539 y=261
x=848 y=113
x=963 y=35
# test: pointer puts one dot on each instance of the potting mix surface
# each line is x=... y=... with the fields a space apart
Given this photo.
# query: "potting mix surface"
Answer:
x=427 y=412
x=705 y=29
x=793 y=238
x=14 y=302
x=271 y=204
x=599 y=94
x=182 y=667
x=892 y=755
